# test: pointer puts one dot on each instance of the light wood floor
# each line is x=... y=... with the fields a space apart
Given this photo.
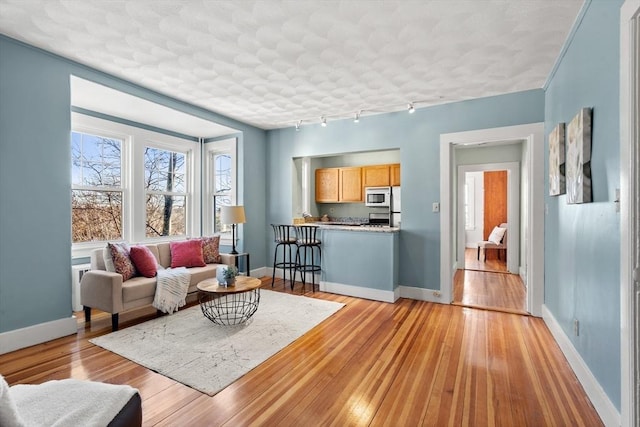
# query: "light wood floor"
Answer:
x=410 y=363
x=489 y=286
x=471 y=261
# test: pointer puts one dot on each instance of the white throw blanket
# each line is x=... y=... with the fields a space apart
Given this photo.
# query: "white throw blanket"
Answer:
x=171 y=289
x=69 y=403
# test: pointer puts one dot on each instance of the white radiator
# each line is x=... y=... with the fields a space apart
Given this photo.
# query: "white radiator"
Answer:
x=76 y=275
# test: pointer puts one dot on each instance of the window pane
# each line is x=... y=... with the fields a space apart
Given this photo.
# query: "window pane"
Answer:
x=164 y=170
x=165 y=215
x=222 y=173
x=96 y=215
x=96 y=160
x=218 y=202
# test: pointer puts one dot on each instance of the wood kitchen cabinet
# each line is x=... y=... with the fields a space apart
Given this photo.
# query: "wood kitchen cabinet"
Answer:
x=394 y=173
x=350 y=185
x=335 y=185
x=327 y=185
x=376 y=176
x=381 y=175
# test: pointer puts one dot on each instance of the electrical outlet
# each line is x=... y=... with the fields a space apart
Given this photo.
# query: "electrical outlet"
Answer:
x=576 y=327
x=435 y=207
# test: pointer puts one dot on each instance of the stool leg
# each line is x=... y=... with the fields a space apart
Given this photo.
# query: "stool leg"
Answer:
x=478 y=255
x=275 y=257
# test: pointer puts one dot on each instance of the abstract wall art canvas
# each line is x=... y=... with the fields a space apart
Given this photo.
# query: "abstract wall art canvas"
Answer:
x=557 y=183
x=578 y=161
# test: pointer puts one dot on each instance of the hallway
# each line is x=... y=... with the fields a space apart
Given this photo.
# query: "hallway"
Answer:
x=487 y=285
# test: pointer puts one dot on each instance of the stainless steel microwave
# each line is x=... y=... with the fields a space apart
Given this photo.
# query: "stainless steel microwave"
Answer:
x=377 y=196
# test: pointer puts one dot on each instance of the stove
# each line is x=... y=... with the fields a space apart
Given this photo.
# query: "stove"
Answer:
x=379 y=219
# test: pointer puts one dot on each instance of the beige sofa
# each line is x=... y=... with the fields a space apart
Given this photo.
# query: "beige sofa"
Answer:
x=106 y=291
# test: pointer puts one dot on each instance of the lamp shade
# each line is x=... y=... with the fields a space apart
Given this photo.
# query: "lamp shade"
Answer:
x=232 y=215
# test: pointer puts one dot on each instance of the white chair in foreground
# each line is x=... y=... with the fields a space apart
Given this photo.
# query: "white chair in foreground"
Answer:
x=497 y=240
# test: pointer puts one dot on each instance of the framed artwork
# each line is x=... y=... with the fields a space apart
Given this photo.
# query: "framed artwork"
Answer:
x=578 y=165
x=557 y=183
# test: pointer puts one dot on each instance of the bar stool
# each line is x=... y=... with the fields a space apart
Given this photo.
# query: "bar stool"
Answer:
x=307 y=245
x=283 y=236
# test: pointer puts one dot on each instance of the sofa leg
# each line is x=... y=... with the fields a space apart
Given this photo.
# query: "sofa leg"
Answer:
x=87 y=314
x=114 y=322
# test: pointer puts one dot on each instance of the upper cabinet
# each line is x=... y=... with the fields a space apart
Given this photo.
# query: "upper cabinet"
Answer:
x=335 y=185
x=327 y=185
x=346 y=185
x=394 y=173
x=381 y=175
x=350 y=185
x=375 y=176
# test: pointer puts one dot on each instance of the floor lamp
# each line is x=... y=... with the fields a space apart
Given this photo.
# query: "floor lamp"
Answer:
x=232 y=215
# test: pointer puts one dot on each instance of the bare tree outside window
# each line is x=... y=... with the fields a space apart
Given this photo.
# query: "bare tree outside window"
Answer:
x=165 y=185
x=96 y=197
x=222 y=188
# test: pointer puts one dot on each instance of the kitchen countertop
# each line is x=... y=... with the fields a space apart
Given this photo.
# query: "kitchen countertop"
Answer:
x=358 y=228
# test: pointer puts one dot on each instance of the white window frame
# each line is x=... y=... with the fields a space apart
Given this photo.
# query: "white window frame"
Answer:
x=224 y=146
x=134 y=210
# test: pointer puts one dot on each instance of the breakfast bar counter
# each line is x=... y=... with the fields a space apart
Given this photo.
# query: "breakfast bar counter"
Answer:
x=360 y=261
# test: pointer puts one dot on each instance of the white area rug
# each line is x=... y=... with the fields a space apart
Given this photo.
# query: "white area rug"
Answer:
x=191 y=349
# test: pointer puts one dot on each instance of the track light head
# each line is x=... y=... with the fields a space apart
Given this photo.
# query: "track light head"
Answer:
x=411 y=108
x=324 y=121
x=298 y=123
x=356 y=119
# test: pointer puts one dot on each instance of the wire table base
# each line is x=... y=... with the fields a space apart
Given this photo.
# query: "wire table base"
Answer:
x=230 y=309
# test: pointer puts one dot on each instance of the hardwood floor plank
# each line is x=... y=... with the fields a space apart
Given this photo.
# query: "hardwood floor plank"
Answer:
x=410 y=363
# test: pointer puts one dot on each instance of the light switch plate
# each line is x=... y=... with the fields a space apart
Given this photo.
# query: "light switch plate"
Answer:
x=435 y=207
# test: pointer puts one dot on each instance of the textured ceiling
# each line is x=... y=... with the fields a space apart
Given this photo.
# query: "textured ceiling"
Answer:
x=273 y=63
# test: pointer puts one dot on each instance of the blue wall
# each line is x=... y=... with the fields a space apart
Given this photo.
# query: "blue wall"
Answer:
x=418 y=137
x=35 y=180
x=582 y=242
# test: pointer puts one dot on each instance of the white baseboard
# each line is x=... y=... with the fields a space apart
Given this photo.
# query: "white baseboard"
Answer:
x=262 y=271
x=360 y=292
x=36 y=334
x=421 y=294
x=607 y=410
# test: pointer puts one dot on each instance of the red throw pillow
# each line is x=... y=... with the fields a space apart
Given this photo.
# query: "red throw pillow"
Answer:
x=187 y=254
x=144 y=260
x=211 y=249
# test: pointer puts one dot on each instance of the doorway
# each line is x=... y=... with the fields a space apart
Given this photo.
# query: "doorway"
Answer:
x=488 y=205
x=531 y=199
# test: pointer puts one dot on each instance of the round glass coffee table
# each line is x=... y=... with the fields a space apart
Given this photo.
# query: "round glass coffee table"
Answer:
x=229 y=305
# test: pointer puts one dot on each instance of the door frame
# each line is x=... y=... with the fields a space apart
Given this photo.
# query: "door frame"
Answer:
x=513 y=211
x=532 y=136
x=629 y=129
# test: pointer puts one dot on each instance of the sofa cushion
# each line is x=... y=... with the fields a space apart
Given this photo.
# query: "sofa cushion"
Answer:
x=187 y=254
x=121 y=261
x=144 y=260
x=138 y=288
x=211 y=249
x=198 y=274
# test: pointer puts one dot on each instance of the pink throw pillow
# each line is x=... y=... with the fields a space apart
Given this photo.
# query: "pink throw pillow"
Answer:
x=211 y=249
x=187 y=254
x=121 y=261
x=144 y=260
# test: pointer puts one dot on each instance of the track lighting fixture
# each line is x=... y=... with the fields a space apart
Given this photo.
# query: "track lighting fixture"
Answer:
x=356 y=116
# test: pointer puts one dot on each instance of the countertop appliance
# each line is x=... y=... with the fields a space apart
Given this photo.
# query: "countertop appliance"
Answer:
x=396 y=207
x=379 y=197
